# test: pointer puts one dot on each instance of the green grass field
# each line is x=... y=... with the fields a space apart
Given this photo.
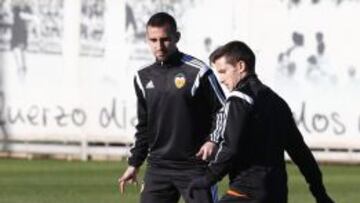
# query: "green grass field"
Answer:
x=53 y=181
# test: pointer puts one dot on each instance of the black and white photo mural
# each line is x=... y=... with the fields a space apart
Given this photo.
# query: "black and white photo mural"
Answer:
x=305 y=51
x=67 y=66
x=92 y=27
x=30 y=27
x=34 y=25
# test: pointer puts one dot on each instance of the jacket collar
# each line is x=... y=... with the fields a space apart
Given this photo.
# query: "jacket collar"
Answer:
x=246 y=79
x=173 y=59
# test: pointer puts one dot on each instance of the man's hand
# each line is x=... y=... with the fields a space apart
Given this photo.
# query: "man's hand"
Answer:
x=129 y=176
x=320 y=194
x=198 y=184
x=206 y=150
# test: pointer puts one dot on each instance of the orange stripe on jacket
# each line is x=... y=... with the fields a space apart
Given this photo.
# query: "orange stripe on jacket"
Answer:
x=236 y=194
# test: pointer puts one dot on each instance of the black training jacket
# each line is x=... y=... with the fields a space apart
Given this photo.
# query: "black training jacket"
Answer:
x=177 y=104
x=259 y=128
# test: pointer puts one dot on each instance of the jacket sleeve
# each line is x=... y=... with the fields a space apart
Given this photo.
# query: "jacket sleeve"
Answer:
x=237 y=113
x=216 y=100
x=217 y=130
x=300 y=153
x=139 y=151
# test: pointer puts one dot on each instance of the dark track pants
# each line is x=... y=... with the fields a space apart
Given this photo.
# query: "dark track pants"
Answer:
x=167 y=185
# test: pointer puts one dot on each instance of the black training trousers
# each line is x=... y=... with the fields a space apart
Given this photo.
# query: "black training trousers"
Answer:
x=167 y=185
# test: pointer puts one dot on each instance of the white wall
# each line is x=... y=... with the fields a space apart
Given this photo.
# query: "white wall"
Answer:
x=83 y=88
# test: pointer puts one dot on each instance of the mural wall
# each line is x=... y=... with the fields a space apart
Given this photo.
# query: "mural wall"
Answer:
x=66 y=67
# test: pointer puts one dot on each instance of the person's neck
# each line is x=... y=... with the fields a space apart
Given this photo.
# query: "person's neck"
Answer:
x=244 y=77
x=172 y=57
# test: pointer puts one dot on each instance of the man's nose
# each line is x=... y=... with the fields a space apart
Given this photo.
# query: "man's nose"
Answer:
x=222 y=79
x=159 y=45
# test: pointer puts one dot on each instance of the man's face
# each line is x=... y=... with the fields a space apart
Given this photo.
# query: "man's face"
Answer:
x=229 y=74
x=162 y=41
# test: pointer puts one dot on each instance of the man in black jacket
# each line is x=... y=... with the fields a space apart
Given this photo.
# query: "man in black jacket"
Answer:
x=178 y=100
x=259 y=127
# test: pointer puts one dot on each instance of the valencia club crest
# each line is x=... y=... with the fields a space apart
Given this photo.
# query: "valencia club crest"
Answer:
x=180 y=80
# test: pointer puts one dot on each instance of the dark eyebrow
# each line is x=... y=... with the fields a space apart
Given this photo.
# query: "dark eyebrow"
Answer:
x=161 y=39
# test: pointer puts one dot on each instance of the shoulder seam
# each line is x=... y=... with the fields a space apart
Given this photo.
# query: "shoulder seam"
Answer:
x=194 y=62
x=242 y=96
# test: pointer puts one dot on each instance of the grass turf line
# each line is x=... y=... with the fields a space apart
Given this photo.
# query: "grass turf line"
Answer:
x=56 y=181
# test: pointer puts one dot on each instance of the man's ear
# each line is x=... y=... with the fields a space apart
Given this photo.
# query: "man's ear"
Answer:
x=177 y=36
x=241 y=65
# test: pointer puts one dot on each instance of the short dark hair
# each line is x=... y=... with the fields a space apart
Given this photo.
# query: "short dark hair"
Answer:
x=160 y=19
x=217 y=53
x=235 y=51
